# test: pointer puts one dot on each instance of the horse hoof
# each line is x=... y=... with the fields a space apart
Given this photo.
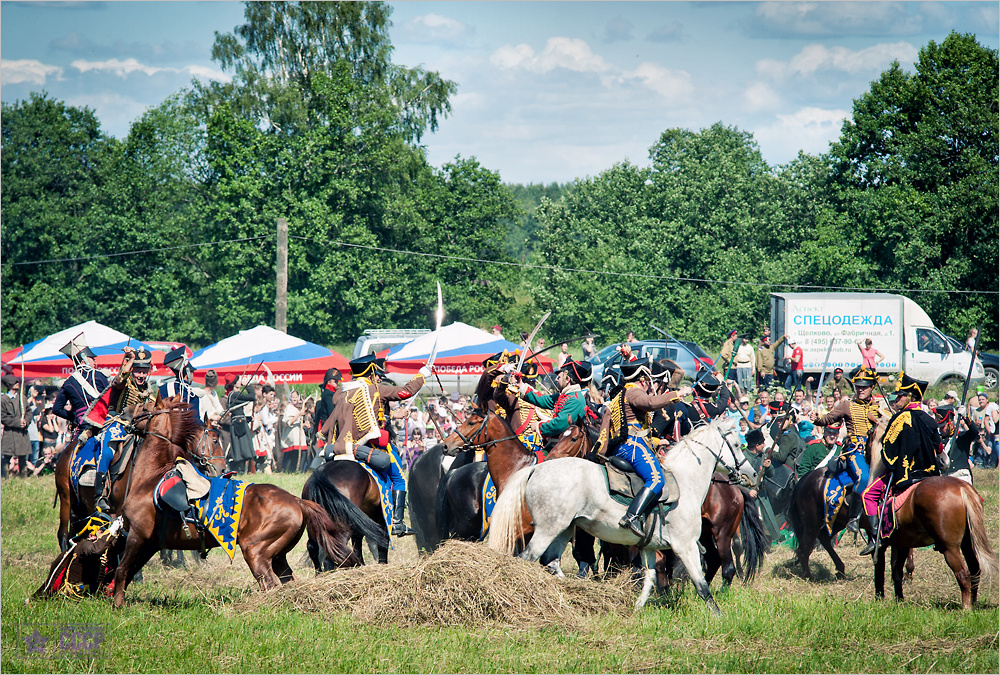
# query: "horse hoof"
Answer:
x=840 y=576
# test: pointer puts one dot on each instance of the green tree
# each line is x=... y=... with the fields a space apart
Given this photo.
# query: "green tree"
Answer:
x=916 y=175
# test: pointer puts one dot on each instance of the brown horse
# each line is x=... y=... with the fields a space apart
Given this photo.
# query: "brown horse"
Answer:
x=271 y=522
x=947 y=513
x=76 y=507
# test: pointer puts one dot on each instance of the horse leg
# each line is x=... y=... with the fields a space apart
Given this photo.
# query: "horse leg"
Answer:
x=908 y=574
x=690 y=556
x=649 y=564
x=383 y=555
x=282 y=568
x=314 y=554
x=713 y=556
x=724 y=546
x=137 y=553
x=553 y=554
x=880 y=572
x=973 y=565
x=827 y=542
x=736 y=555
x=261 y=567
x=953 y=556
x=583 y=552
x=897 y=559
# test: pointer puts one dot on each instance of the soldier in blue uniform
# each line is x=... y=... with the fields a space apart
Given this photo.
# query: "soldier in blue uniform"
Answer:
x=703 y=406
x=180 y=384
x=625 y=431
x=82 y=389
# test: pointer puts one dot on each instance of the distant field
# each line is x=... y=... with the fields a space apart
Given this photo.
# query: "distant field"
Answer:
x=209 y=618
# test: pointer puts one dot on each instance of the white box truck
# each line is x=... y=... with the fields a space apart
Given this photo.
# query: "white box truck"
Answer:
x=897 y=326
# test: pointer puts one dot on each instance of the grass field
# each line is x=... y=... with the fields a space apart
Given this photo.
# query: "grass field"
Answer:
x=210 y=618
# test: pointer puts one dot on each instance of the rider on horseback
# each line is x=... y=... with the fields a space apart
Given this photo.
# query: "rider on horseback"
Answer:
x=860 y=414
x=702 y=406
x=625 y=433
x=129 y=388
x=909 y=449
x=368 y=397
x=569 y=407
x=81 y=390
x=180 y=384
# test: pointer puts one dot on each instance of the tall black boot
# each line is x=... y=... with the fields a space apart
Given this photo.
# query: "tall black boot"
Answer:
x=854 y=515
x=873 y=534
x=99 y=500
x=399 y=528
x=634 y=516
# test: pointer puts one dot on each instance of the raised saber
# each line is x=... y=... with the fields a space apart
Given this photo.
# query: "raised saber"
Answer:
x=527 y=344
x=822 y=376
x=439 y=319
x=968 y=379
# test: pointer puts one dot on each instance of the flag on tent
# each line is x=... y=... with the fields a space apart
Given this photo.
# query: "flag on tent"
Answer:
x=290 y=359
x=42 y=358
x=461 y=351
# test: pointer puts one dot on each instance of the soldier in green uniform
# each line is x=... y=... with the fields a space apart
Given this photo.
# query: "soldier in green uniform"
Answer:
x=569 y=407
x=760 y=460
x=816 y=450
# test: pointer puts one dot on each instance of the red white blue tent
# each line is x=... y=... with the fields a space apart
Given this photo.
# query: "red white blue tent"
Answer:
x=290 y=359
x=461 y=351
x=42 y=358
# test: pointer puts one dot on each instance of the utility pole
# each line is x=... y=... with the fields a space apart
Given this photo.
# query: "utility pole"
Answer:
x=281 y=294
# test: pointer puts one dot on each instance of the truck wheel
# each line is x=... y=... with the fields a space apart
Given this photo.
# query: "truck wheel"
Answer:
x=990 y=381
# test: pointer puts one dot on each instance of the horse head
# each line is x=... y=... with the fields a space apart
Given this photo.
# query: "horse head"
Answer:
x=171 y=422
x=471 y=431
x=729 y=455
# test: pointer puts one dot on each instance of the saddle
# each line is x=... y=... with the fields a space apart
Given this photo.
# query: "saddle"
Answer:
x=177 y=491
x=624 y=483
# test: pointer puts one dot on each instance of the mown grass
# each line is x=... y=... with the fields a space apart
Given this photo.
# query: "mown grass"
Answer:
x=197 y=619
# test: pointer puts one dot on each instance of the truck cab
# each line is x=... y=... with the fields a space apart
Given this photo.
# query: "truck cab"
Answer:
x=375 y=340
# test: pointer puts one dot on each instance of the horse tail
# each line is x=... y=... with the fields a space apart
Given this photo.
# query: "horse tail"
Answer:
x=320 y=489
x=442 y=514
x=755 y=540
x=506 y=523
x=331 y=536
x=988 y=563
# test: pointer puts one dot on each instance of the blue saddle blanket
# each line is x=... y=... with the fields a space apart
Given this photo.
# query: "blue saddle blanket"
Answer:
x=219 y=511
x=85 y=457
x=384 y=491
x=489 y=502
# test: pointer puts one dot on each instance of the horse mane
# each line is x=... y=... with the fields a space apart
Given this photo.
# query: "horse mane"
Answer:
x=716 y=424
x=182 y=425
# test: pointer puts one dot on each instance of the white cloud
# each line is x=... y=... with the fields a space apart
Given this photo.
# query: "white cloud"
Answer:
x=674 y=84
x=770 y=19
x=760 y=96
x=434 y=28
x=125 y=68
x=816 y=57
x=27 y=70
x=116 y=111
x=560 y=52
x=810 y=130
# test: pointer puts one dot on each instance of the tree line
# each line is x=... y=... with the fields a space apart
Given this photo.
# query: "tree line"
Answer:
x=319 y=126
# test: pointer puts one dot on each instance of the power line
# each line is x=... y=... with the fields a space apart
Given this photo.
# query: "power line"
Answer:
x=637 y=275
x=554 y=268
x=147 y=250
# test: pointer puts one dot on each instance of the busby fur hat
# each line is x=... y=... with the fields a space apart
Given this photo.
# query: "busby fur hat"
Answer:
x=364 y=366
x=911 y=387
x=754 y=438
x=211 y=379
x=77 y=348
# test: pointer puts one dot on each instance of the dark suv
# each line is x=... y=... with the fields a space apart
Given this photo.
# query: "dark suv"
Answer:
x=991 y=363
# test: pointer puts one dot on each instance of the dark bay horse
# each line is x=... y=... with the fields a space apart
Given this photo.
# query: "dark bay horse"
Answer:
x=947 y=513
x=459 y=498
x=270 y=525
x=339 y=481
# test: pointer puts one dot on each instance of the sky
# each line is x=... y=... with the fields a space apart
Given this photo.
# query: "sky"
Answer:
x=547 y=91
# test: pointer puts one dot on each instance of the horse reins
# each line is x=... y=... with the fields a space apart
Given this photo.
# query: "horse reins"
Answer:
x=469 y=445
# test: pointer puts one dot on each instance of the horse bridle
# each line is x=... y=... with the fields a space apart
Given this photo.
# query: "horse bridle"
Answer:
x=734 y=472
x=198 y=454
x=469 y=445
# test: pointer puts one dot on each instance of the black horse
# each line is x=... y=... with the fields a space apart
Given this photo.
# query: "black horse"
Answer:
x=429 y=470
x=807 y=514
x=342 y=488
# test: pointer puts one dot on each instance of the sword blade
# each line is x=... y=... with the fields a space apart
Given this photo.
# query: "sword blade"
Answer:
x=439 y=316
x=531 y=337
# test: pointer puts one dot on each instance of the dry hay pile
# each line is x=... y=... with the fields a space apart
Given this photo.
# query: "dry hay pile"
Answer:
x=461 y=584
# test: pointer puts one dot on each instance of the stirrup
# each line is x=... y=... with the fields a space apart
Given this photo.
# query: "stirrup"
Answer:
x=633 y=523
x=400 y=529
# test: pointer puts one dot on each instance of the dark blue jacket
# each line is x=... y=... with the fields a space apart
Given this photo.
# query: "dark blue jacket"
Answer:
x=73 y=392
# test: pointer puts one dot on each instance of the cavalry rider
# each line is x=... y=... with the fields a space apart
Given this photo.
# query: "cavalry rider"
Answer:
x=860 y=415
x=569 y=407
x=817 y=450
x=625 y=433
x=368 y=397
x=702 y=407
x=909 y=449
x=129 y=388
x=180 y=384
x=81 y=390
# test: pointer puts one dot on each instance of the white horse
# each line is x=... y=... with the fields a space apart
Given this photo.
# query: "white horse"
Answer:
x=552 y=497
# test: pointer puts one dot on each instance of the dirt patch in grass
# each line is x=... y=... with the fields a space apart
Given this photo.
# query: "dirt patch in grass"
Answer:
x=462 y=584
